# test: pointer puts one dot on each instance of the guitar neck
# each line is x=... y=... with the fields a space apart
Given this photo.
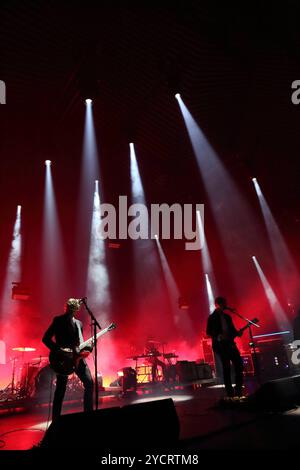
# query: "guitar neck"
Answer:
x=88 y=341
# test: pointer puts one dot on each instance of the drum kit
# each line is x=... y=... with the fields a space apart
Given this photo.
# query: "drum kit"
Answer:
x=144 y=369
x=33 y=378
x=24 y=373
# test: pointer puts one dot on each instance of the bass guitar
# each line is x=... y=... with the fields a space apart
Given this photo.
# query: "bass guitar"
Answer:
x=223 y=341
x=64 y=361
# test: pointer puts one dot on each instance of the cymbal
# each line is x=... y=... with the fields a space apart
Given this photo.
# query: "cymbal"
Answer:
x=25 y=349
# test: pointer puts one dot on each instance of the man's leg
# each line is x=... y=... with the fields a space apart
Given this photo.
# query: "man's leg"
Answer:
x=226 y=373
x=238 y=365
x=84 y=374
x=60 y=390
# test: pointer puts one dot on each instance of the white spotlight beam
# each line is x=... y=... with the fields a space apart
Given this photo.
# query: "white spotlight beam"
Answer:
x=97 y=278
x=13 y=269
x=138 y=194
x=233 y=216
x=89 y=173
x=97 y=283
x=207 y=265
x=54 y=279
x=181 y=320
x=90 y=164
x=286 y=268
x=274 y=303
x=210 y=294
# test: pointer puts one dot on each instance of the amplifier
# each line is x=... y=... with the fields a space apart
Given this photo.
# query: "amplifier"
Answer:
x=272 y=359
x=248 y=364
x=190 y=371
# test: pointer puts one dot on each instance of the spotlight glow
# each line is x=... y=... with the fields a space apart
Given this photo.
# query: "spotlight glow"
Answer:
x=206 y=264
x=97 y=282
x=183 y=322
x=54 y=283
x=285 y=265
x=13 y=274
x=88 y=101
x=235 y=220
x=210 y=294
x=138 y=194
x=274 y=303
x=89 y=172
x=97 y=285
x=48 y=162
x=177 y=96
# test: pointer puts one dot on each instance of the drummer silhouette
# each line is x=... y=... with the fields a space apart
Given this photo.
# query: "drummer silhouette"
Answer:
x=153 y=353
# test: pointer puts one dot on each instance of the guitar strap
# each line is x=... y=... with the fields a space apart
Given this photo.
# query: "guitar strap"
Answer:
x=79 y=331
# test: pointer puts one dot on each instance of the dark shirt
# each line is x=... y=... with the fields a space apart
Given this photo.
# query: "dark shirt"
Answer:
x=64 y=330
x=219 y=323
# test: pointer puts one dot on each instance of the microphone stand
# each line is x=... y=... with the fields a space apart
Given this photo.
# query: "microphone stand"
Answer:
x=252 y=344
x=95 y=325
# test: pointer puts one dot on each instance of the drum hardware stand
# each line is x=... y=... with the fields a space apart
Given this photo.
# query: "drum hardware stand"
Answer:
x=251 y=344
x=95 y=325
x=13 y=375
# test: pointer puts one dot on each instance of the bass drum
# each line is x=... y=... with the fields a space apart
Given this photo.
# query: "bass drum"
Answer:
x=44 y=380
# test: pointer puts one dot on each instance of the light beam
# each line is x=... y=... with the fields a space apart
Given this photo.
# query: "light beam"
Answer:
x=280 y=316
x=286 y=268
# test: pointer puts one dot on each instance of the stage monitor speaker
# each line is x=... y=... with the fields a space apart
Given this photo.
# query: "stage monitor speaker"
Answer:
x=277 y=395
x=141 y=425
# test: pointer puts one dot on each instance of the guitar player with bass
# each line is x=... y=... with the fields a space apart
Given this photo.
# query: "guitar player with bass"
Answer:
x=221 y=329
x=67 y=331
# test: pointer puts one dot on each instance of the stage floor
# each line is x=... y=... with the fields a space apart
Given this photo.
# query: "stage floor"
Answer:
x=203 y=424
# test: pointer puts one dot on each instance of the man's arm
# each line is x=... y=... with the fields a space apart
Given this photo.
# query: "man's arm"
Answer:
x=89 y=347
x=209 y=327
x=47 y=338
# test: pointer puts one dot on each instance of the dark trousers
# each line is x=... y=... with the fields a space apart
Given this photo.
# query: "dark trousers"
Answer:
x=84 y=374
x=229 y=354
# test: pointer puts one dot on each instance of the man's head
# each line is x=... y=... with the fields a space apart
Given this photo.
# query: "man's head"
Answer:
x=72 y=306
x=220 y=302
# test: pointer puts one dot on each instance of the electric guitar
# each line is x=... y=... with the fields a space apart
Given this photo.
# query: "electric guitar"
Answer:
x=255 y=320
x=221 y=339
x=65 y=360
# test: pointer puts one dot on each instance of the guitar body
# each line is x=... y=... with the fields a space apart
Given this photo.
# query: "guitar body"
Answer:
x=224 y=345
x=65 y=362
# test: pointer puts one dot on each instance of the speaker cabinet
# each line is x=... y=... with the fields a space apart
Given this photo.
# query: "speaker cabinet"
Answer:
x=141 y=425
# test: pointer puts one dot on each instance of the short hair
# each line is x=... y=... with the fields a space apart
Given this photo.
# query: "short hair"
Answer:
x=73 y=304
x=220 y=301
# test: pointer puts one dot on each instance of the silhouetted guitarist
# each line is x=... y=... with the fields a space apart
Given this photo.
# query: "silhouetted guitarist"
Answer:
x=223 y=332
x=67 y=331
